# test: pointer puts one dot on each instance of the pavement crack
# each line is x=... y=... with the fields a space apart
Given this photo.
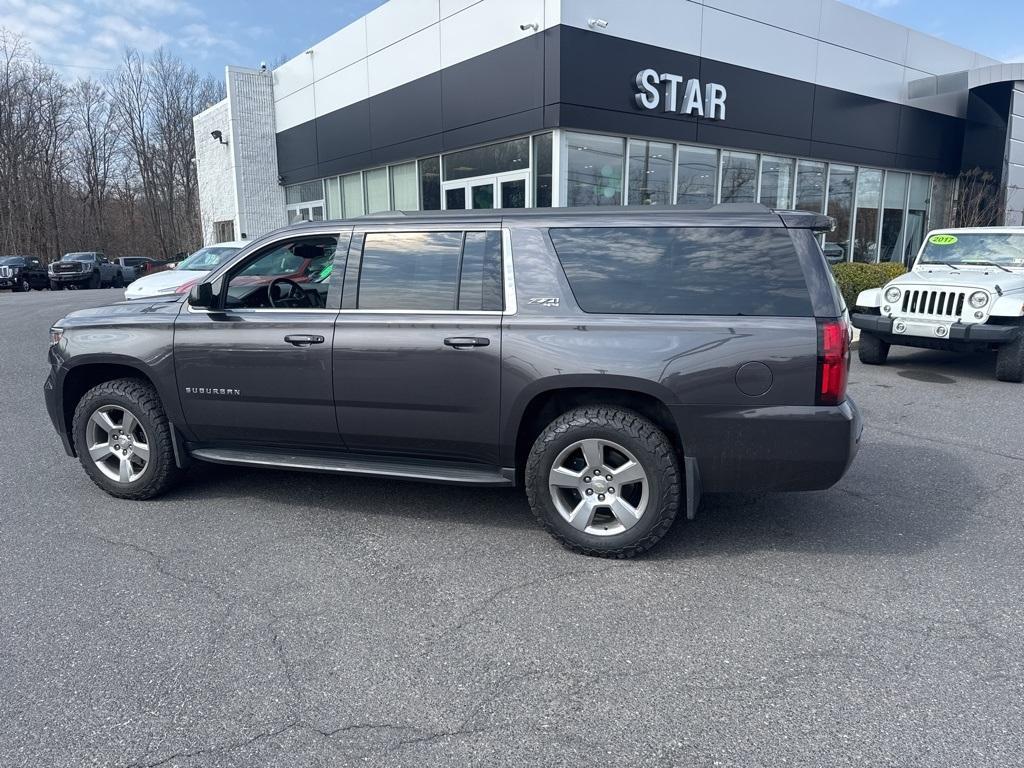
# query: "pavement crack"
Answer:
x=214 y=749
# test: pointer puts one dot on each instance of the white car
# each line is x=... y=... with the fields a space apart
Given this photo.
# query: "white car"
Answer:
x=186 y=274
x=965 y=292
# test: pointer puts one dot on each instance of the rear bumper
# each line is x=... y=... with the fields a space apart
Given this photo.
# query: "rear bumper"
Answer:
x=778 y=448
x=958 y=332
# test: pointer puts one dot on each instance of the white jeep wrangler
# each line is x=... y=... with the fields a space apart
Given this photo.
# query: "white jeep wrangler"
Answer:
x=966 y=291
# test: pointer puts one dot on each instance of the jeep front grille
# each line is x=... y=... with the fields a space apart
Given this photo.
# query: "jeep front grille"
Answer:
x=933 y=303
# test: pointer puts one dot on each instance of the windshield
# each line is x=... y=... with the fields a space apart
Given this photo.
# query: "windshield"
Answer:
x=982 y=249
x=79 y=257
x=16 y=261
x=206 y=259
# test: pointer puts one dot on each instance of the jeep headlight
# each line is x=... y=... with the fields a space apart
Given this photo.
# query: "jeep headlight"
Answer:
x=892 y=295
x=978 y=299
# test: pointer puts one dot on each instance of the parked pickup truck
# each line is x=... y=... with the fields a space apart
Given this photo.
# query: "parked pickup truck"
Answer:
x=22 y=273
x=965 y=292
x=85 y=269
x=613 y=363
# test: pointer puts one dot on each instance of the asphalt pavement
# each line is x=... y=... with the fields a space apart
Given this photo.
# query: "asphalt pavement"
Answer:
x=261 y=618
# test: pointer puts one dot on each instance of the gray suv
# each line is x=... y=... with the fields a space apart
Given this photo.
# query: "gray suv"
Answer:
x=615 y=363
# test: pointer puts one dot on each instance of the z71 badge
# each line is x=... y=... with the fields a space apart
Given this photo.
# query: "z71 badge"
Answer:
x=552 y=302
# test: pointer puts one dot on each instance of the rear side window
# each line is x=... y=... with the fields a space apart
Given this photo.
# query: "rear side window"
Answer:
x=431 y=271
x=683 y=270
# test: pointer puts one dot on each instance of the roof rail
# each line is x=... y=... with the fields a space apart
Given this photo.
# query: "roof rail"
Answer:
x=740 y=208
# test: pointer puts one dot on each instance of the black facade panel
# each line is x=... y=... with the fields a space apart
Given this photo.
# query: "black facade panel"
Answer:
x=344 y=132
x=492 y=130
x=296 y=148
x=504 y=82
x=634 y=123
x=408 y=112
x=598 y=70
x=855 y=121
x=303 y=173
x=927 y=134
x=552 y=69
x=988 y=110
x=427 y=145
x=344 y=165
x=760 y=102
x=842 y=153
x=728 y=136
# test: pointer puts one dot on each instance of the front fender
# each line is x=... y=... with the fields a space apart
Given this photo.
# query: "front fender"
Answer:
x=1008 y=306
x=871 y=298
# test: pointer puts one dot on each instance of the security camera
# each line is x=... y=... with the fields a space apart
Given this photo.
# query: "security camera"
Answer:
x=532 y=25
x=263 y=66
x=597 y=23
x=218 y=136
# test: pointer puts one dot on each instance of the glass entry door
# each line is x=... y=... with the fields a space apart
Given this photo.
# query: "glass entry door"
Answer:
x=508 y=190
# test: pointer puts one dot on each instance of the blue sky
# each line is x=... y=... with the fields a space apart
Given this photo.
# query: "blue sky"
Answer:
x=87 y=36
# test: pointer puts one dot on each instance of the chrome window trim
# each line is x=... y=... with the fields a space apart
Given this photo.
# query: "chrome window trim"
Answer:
x=508 y=283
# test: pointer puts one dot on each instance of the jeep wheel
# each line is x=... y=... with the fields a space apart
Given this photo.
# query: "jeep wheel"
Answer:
x=604 y=481
x=123 y=439
x=872 y=350
x=1010 y=360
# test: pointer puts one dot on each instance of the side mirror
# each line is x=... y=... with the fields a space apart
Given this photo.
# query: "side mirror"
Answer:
x=201 y=296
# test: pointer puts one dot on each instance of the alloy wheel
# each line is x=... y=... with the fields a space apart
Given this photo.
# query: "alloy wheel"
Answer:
x=599 y=487
x=117 y=443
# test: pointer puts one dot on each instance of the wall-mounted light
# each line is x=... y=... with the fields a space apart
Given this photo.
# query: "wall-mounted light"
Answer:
x=532 y=25
x=597 y=23
x=219 y=137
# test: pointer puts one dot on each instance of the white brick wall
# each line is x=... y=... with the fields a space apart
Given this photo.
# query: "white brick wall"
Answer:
x=215 y=169
x=261 y=206
x=238 y=182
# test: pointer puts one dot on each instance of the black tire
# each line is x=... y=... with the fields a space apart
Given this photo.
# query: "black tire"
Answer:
x=161 y=472
x=96 y=281
x=22 y=286
x=55 y=286
x=872 y=350
x=119 y=280
x=1010 y=360
x=652 y=449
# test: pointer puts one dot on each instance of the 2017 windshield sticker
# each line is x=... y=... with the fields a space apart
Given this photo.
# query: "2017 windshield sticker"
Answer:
x=942 y=239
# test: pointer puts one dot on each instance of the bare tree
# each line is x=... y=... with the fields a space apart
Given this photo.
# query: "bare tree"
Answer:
x=978 y=200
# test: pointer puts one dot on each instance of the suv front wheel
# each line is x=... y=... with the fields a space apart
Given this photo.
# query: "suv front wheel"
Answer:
x=123 y=439
x=604 y=481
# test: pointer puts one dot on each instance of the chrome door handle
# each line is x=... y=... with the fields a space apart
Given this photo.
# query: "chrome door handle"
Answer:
x=460 y=342
x=304 y=340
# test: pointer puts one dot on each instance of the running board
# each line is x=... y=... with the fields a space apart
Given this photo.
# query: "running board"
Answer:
x=356 y=465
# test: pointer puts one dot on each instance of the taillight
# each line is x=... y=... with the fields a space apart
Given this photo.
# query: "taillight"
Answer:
x=833 y=361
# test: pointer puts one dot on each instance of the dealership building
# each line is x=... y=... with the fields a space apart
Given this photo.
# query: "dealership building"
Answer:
x=453 y=104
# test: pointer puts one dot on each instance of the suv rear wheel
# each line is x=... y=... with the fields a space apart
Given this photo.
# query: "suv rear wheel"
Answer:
x=1010 y=360
x=604 y=481
x=872 y=350
x=123 y=439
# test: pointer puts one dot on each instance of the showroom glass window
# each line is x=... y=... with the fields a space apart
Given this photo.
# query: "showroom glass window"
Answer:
x=841 y=182
x=430 y=183
x=917 y=216
x=894 y=199
x=352 y=195
x=777 y=182
x=489 y=160
x=650 y=173
x=865 y=227
x=739 y=177
x=378 y=197
x=696 y=176
x=810 y=186
x=542 y=176
x=595 y=166
x=403 y=187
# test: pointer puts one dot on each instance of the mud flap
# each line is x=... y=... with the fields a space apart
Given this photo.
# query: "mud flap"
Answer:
x=693 y=488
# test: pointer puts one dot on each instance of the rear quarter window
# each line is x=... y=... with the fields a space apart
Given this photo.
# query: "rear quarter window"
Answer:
x=683 y=270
